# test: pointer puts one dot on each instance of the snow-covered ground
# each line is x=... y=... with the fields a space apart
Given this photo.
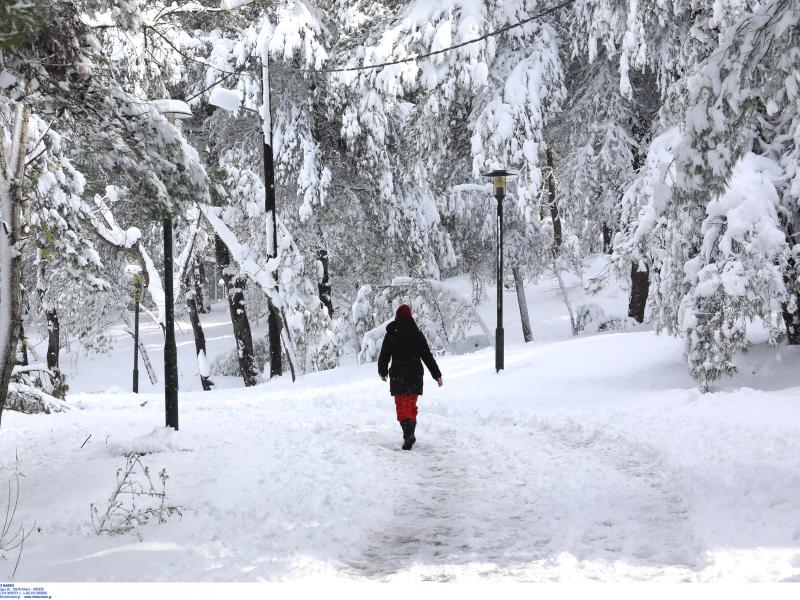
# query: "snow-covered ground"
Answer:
x=589 y=458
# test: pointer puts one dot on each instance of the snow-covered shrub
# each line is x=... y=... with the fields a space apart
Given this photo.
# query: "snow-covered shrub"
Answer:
x=736 y=275
x=440 y=313
x=135 y=501
x=591 y=318
x=226 y=364
x=371 y=343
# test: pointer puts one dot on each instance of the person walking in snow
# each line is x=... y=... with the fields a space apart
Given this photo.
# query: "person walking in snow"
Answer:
x=405 y=346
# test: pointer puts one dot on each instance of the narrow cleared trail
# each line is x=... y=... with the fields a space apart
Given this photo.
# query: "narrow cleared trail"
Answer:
x=427 y=516
x=550 y=491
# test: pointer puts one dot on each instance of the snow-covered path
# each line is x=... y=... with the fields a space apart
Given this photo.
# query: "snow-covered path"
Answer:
x=592 y=458
x=504 y=499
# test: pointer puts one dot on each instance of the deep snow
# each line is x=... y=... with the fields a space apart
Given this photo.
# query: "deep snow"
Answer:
x=589 y=458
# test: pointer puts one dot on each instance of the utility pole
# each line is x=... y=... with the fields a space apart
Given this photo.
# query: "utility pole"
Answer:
x=275 y=359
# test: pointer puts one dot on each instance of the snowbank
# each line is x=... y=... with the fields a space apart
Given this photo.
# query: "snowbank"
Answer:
x=593 y=458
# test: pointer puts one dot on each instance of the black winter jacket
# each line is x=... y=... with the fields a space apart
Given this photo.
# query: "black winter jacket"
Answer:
x=404 y=344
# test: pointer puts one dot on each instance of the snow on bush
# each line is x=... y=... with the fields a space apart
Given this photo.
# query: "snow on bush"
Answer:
x=442 y=315
x=36 y=389
x=591 y=318
x=736 y=275
x=371 y=343
x=225 y=99
x=227 y=363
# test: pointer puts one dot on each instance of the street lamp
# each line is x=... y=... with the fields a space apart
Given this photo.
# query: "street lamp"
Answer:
x=135 y=271
x=499 y=178
x=172 y=109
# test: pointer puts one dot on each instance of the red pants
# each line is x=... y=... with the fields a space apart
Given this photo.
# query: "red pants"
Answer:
x=406 y=407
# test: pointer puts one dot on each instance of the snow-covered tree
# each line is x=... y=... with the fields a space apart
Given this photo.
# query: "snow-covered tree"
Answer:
x=597 y=138
x=736 y=276
x=57 y=84
x=745 y=99
x=713 y=218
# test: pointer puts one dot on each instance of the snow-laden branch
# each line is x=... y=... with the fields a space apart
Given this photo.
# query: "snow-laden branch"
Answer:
x=453 y=296
x=186 y=254
x=260 y=275
x=38 y=367
x=130 y=239
x=154 y=285
x=485 y=188
x=28 y=399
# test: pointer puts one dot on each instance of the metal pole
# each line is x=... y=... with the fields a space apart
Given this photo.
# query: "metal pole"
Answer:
x=170 y=350
x=137 y=290
x=499 y=333
x=275 y=358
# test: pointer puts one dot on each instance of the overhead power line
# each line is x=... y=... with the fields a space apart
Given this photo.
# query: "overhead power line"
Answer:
x=414 y=58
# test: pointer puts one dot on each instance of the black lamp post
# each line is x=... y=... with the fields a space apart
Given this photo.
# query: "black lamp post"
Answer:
x=137 y=294
x=170 y=349
x=499 y=177
x=172 y=109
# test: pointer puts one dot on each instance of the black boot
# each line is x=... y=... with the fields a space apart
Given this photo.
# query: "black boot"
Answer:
x=408 y=433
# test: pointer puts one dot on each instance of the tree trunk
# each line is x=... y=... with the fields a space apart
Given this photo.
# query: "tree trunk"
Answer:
x=59 y=389
x=608 y=239
x=791 y=320
x=190 y=286
x=241 y=325
x=12 y=173
x=200 y=296
x=324 y=286
x=519 y=282
x=640 y=288
x=50 y=313
x=22 y=348
x=554 y=214
x=53 y=339
x=199 y=343
x=53 y=351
